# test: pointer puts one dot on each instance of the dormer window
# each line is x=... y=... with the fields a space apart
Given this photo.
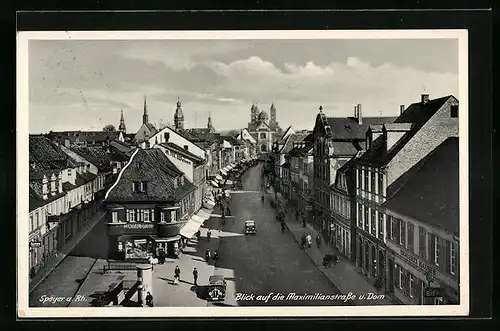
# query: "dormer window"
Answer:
x=454 y=111
x=140 y=187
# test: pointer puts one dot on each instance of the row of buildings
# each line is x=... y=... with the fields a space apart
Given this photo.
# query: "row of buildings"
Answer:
x=153 y=183
x=384 y=191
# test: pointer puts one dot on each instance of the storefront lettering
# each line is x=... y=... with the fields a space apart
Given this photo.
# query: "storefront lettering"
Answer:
x=138 y=226
x=417 y=262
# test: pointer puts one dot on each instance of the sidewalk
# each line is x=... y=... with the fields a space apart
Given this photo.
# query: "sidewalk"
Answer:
x=57 y=259
x=344 y=276
x=185 y=294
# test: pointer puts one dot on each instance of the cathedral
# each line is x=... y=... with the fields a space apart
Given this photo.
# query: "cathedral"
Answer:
x=263 y=129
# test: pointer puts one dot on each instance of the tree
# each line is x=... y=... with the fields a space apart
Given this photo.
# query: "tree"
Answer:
x=109 y=127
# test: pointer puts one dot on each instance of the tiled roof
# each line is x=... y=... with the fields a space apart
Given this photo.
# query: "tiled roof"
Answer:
x=415 y=116
x=345 y=148
x=429 y=191
x=402 y=127
x=91 y=137
x=349 y=128
x=154 y=167
x=292 y=138
x=230 y=139
x=95 y=155
x=47 y=155
x=36 y=201
x=187 y=154
x=122 y=147
x=151 y=128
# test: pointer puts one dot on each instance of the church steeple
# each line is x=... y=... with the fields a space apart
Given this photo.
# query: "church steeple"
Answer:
x=122 y=126
x=179 y=116
x=145 y=115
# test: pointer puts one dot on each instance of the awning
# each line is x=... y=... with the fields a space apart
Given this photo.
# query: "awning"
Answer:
x=189 y=229
x=205 y=214
x=228 y=182
x=223 y=172
x=219 y=178
x=198 y=219
x=166 y=240
x=214 y=183
x=210 y=203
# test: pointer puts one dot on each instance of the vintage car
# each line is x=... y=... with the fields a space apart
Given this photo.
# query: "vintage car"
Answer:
x=250 y=227
x=216 y=289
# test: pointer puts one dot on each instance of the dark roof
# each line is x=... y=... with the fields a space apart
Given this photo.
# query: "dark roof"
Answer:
x=343 y=128
x=47 y=155
x=286 y=164
x=230 y=139
x=122 y=147
x=151 y=128
x=187 y=154
x=91 y=137
x=95 y=155
x=36 y=201
x=415 y=116
x=343 y=148
x=154 y=167
x=291 y=139
x=429 y=191
x=401 y=127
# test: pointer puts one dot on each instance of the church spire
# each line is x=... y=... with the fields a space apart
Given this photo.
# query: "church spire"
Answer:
x=122 y=126
x=209 y=124
x=178 y=116
x=145 y=115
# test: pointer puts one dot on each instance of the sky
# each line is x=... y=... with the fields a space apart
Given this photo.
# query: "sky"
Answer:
x=84 y=84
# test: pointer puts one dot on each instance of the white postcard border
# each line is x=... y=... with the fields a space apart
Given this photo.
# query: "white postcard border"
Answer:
x=22 y=225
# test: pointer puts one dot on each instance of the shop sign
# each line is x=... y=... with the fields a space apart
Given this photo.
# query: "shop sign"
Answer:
x=35 y=244
x=433 y=292
x=139 y=227
x=417 y=262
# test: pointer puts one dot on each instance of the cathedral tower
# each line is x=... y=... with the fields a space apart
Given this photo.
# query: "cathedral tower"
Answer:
x=145 y=115
x=209 y=124
x=178 y=117
x=122 y=126
x=272 y=122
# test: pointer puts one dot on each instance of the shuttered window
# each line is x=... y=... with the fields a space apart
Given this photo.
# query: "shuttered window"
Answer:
x=453 y=258
x=422 y=242
x=402 y=233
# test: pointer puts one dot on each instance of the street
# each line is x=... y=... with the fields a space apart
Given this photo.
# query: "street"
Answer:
x=268 y=262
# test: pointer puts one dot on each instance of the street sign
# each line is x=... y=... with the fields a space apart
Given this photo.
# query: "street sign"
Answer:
x=433 y=292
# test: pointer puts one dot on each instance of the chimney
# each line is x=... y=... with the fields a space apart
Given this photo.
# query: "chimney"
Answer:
x=186 y=147
x=66 y=142
x=45 y=188
x=360 y=116
x=401 y=109
x=356 y=111
x=425 y=98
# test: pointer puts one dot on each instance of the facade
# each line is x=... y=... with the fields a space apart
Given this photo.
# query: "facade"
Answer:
x=278 y=158
x=336 y=141
x=264 y=130
x=191 y=166
x=147 y=206
x=306 y=178
x=147 y=129
x=423 y=230
x=393 y=149
x=296 y=157
x=248 y=144
x=62 y=198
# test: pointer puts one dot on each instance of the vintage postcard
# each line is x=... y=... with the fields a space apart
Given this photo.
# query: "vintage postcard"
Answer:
x=242 y=173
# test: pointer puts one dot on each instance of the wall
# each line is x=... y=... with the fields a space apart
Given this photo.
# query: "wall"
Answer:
x=184 y=165
x=177 y=139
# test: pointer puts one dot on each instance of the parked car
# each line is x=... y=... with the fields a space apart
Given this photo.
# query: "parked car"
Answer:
x=250 y=227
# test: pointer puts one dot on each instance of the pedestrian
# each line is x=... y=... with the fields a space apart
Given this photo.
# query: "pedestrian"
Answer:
x=149 y=300
x=207 y=254
x=177 y=274
x=198 y=235
x=318 y=240
x=195 y=276
x=209 y=234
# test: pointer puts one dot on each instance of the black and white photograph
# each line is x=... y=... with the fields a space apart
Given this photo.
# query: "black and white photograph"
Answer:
x=249 y=173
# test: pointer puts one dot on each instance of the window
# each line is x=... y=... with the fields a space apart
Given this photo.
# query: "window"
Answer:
x=360 y=179
x=402 y=233
x=412 y=286
x=373 y=220
x=381 y=225
x=380 y=183
x=32 y=226
x=422 y=240
x=360 y=216
x=173 y=216
x=453 y=258
x=372 y=183
x=130 y=215
x=37 y=219
x=262 y=135
x=401 y=277
x=394 y=227
x=69 y=172
x=410 y=240
x=365 y=186
x=454 y=111
x=436 y=250
x=144 y=187
x=147 y=215
x=114 y=216
x=135 y=186
x=367 y=221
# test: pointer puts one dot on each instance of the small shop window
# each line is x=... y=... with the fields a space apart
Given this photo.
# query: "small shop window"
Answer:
x=114 y=216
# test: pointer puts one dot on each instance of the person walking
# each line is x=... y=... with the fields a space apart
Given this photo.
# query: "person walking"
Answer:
x=195 y=276
x=318 y=240
x=177 y=274
x=149 y=300
x=209 y=234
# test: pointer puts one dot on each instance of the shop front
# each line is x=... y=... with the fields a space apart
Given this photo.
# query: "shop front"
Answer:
x=370 y=256
x=341 y=236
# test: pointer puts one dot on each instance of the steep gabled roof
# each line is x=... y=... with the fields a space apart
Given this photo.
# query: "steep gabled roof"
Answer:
x=410 y=121
x=429 y=191
x=95 y=155
x=90 y=137
x=153 y=167
x=47 y=155
x=185 y=153
x=291 y=139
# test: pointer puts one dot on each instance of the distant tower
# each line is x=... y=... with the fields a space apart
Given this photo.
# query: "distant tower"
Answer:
x=178 y=117
x=145 y=115
x=209 y=124
x=272 y=122
x=122 y=126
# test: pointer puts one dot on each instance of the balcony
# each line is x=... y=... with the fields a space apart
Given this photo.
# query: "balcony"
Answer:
x=146 y=228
